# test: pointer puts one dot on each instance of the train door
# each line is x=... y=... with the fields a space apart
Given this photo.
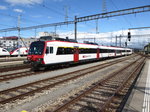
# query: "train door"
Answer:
x=76 y=54
x=48 y=58
x=98 y=51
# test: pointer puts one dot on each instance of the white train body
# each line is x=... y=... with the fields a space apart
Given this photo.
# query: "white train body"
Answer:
x=44 y=53
x=22 y=51
x=4 y=52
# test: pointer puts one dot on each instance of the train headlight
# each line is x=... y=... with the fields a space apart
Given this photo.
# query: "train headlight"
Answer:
x=40 y=59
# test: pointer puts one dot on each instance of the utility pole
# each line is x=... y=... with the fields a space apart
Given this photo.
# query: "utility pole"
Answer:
x=111 y=39
x=116 y=40
x=120 y=40
x=55 y=28
x=97 y=26
x=35 y=33
x=19 y=17
x=75 y=25
x=104 y=6
x=66 y=13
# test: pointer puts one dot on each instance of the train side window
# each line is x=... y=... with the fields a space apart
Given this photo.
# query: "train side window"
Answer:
x=47 y=50
x=51 y=50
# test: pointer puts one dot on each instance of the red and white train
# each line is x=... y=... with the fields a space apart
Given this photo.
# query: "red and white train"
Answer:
x=51 y=52
x=4 y=52
x=22 y=51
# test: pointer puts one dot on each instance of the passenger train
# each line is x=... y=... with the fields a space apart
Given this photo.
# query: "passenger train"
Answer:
x=4 y=52
x=51 y=52
x=23 y=51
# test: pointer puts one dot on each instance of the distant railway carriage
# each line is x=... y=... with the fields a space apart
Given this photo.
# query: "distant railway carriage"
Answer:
x=23 y=51
x=147 y=49
x=4 y=52
x=47 y=53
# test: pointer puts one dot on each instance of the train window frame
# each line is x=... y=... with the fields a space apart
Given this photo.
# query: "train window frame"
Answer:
x=49 y=50
x=65 y=51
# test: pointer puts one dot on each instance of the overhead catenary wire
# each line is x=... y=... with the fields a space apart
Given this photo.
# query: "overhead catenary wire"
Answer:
x=122 y=16
x=88 y=18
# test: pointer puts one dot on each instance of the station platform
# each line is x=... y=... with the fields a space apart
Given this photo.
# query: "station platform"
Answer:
x=139 y=99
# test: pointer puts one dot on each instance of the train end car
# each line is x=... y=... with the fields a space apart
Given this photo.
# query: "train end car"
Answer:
x=4 y=52
x=23 y=51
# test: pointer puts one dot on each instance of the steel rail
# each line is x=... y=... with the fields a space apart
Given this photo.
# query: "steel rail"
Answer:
x=82 y=94
x=134 y=72
x=24 y=74
x=53 y=84
x=10 y=60
x=13 y=68
x=16 y=75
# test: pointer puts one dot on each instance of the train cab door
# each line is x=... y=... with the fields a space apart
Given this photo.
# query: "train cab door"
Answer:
x=98 y=53
x=76 y=54
x=49 y=54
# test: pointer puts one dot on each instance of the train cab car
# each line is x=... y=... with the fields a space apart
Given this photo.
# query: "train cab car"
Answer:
x=23 y=51
x=128 y=51
x=4 y=52
x=36 y=53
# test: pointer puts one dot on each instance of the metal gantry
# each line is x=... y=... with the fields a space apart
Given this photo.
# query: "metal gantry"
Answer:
x=86 y=18
x=115 y=13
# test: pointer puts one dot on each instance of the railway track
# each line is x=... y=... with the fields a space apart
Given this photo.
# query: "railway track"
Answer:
x=13 y=68
x=107 y=95
x=31 y=88
x=145 y=55
x=29 y=73
x=10 y=60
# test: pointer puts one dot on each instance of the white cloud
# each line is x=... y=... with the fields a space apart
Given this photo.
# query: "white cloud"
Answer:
x=24 y=2
x=109 y=38
x=3 y=7
x=18 y=10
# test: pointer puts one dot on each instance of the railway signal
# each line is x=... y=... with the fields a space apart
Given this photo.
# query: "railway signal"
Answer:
x=129 y=36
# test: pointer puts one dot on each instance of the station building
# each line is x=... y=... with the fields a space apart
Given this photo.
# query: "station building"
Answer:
x=14 y=42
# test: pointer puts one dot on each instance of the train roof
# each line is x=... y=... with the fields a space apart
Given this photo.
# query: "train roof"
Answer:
x=57 y=39
x=48 y=38
x=82 y=44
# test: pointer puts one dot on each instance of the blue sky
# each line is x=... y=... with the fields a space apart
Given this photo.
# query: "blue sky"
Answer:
x=36 y=12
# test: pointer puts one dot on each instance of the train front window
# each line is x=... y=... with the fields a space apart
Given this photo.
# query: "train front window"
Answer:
x=4 y=50
x=36 y=48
